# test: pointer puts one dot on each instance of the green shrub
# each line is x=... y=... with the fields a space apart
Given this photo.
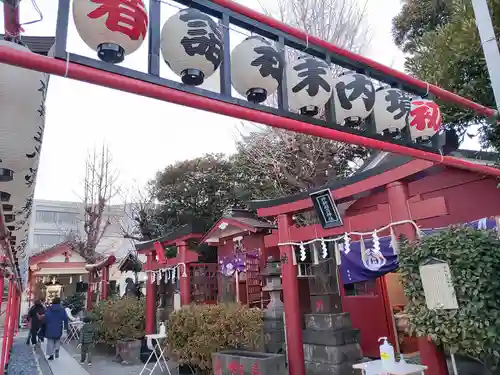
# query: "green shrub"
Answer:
x=474 y=260
x=75 y=302
x=197 y=331
x=122 y=319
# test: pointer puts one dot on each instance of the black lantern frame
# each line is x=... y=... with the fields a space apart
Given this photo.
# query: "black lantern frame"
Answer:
x=227 y=18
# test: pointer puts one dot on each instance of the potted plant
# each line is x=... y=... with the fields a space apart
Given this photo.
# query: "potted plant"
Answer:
x=195 y=332
x=121 y=324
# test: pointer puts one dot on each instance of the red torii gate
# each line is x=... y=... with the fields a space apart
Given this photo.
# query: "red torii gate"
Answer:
x=155 y=260
x=108 y=79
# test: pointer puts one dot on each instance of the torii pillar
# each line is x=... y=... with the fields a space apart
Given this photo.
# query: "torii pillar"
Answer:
x=397 y=192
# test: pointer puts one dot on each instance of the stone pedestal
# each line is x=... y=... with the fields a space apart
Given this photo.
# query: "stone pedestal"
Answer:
x=274 y=329
x=331 y=345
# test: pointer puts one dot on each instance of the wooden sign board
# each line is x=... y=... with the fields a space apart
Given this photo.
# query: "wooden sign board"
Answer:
x=438 y=285
x=326 y=209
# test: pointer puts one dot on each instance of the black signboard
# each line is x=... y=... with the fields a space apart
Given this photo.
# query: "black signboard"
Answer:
x=326 y=209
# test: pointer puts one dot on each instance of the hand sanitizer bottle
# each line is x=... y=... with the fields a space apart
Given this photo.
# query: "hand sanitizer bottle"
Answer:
x=386 y=354
x=163 y=329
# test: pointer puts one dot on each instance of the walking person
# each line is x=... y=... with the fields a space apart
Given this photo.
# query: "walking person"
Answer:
x=87 y=341
x=35 y=317
x=55 y=320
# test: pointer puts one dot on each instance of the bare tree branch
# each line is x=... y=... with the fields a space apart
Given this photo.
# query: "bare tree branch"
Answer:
x=100 y=187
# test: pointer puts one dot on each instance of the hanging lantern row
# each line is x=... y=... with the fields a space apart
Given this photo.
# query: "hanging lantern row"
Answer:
x=191 y=45
x=22 y=105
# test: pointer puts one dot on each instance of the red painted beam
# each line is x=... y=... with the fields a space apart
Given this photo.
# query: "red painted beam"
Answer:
x=369 y=183
x=98 y=77
x=299 y=34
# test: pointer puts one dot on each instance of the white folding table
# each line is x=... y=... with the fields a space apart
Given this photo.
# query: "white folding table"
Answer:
x=375 y=368
x=154 y=344
x=74 y=331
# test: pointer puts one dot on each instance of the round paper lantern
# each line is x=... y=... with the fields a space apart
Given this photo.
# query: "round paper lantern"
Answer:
x=191 y=45
x=354 y=98
x=425 y=119
x=113 y=28
x=309 y=82
x=391 y=110
x=257 y=68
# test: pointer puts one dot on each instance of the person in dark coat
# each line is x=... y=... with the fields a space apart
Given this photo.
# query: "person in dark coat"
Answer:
x=55 y=319
x=35 y=317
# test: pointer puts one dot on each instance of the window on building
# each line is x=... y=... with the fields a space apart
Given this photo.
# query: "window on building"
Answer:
x=47 y=240
x=54 y=217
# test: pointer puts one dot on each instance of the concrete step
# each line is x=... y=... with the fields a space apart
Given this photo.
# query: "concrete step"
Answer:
x=315 y=368
x=335 y=355
x=328 y=322
x=331 y=338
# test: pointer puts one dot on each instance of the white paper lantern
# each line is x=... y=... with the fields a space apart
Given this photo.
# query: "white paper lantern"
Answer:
x=191 y=45
x=309 y=82
x=257 y=68
x=391 y=110
x=22 y=104
x=424 y=120
x=354 y=98
x=112 y=28
x=21 y=97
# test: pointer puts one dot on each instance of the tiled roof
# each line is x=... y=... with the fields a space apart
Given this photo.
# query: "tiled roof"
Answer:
x=38 y=44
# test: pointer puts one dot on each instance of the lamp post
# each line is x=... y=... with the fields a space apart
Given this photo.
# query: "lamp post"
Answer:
x=489 y=44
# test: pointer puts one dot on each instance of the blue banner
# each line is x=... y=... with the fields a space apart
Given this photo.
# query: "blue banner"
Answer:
x=354 y=269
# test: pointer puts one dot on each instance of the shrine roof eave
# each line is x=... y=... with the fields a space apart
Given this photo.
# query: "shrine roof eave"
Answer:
x=396 y=168
x=254 y=226
x=48 y=253
x=184 y=233
x=109 y=261
x=343 y=190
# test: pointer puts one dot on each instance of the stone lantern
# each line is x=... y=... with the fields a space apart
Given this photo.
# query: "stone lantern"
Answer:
x=274 y=330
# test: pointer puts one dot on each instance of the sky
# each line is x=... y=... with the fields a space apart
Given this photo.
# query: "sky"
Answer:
x=144 y=135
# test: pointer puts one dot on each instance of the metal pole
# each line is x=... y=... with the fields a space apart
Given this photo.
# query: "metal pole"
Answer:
x=489 y=44
x=102 y=78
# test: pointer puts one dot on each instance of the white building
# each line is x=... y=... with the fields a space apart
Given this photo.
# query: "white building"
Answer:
x=52 y=222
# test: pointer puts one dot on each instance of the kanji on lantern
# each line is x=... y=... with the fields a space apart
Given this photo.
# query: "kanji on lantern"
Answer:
x=235 y=368
x=255 y=369
x=128 y=17
x=425 y=114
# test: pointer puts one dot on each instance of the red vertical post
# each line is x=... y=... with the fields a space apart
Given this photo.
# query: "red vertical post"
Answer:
x=2 y=284
x=18 y=311
x=89 y=292
x=397 y=192
x=105 y=283
x=11 y=20
x=183 y=274
x=293 y=318
x=7 y=323
x=150 y=295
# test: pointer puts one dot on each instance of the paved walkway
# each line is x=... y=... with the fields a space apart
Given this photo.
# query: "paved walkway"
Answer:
x=104 y=365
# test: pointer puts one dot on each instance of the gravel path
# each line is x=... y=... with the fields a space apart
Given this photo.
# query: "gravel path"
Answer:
x=22 y=359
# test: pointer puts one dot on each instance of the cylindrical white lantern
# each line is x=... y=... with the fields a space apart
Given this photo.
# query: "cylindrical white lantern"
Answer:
x=256 y=68
x=191 y=45
x=354 y=98
x=424 y=120
x=22 y=104
x=391 y=110
x=309 y=83
x=112 y=28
